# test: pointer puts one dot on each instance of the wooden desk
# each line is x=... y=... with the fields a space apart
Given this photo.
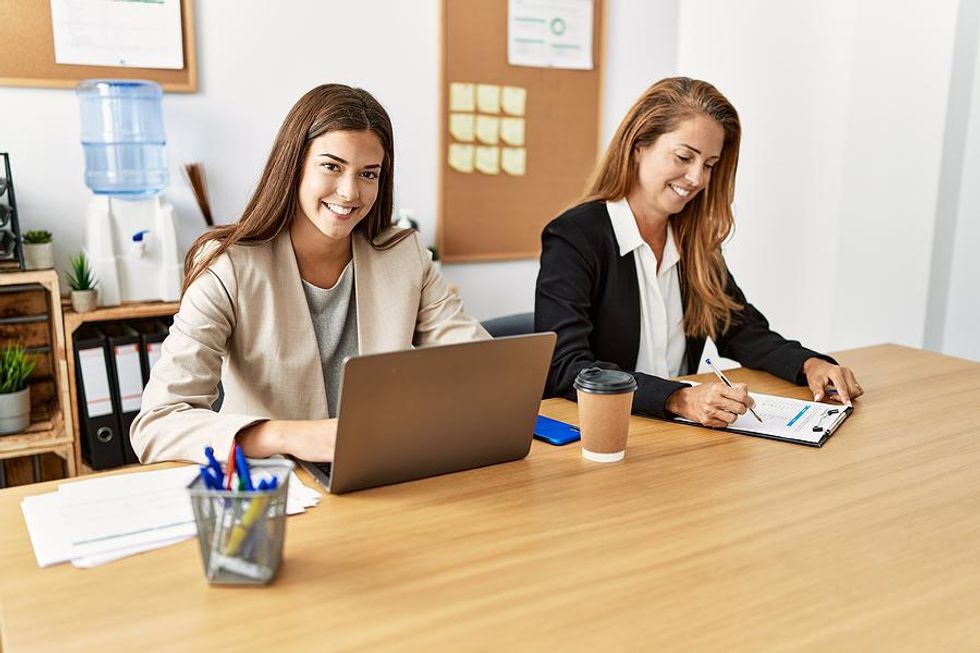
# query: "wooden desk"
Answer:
x=699 y=541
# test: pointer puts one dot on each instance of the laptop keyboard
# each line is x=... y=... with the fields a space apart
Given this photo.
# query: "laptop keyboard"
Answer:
x=323 y=467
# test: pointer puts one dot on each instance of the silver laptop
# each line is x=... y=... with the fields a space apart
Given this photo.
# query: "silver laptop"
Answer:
x=422 y=412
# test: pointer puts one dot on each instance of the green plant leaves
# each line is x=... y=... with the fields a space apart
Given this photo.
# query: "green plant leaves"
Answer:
x=37 y=237
x=15 y=366
x=80 y=275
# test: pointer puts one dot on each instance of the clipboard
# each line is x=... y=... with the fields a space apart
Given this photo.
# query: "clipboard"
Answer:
x=810 y=423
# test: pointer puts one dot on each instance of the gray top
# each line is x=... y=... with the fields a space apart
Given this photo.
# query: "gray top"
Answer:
x=334 y=313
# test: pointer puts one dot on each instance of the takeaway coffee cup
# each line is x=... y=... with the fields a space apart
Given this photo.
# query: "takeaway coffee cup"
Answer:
x=605 y=398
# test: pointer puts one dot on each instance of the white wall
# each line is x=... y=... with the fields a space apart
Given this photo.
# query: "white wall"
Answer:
x=843 y=107
x=960 y=319
x=898 y=97
x=254 y=61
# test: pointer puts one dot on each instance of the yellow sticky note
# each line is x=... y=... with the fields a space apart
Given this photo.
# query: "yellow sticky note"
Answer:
x=513 y=99
x=512 y=131
x=488 y=159
x=488 y=129
x=513 y=160
x=461 y=126
x=461 y=157
x=461 y=97
x=488 y=98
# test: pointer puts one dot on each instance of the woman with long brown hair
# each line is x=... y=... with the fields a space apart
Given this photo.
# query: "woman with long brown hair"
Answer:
x=633 y=277
x=312 y=273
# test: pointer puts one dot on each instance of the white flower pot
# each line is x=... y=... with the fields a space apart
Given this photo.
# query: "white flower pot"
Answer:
x=84 y=301
x=15 y=411
x=38 y=256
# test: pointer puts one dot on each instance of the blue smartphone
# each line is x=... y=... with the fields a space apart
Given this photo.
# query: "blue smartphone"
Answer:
x=554 y=432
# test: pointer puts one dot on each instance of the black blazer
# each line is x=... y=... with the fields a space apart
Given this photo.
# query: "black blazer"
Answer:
x=589 y=295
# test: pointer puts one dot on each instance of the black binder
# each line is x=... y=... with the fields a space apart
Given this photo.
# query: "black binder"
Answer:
x=99 y=427
x=126 y=376
x=152 y=334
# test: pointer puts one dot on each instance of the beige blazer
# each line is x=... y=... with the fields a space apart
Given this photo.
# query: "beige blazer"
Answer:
x=246 y=322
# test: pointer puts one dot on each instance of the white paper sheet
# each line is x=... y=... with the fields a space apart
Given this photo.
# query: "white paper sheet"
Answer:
x=106 y=514
x=132 y=33
x=550 y=33
x=95 y=521
x=43 y=518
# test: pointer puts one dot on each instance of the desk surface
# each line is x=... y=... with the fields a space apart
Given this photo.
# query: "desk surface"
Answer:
x=700 y=540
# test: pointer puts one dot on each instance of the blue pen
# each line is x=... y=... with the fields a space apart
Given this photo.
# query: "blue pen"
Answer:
x=242 y=466
x=215 y=465
x=208 y=479
x=268 y=483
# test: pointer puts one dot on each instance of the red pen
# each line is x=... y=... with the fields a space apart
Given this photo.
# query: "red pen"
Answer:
x=231 y=465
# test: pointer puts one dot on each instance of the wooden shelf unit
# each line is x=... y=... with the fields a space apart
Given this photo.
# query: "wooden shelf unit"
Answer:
x=73 y=320
x=39 y=324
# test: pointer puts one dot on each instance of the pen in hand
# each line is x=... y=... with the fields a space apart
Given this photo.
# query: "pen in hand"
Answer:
x=724 y=379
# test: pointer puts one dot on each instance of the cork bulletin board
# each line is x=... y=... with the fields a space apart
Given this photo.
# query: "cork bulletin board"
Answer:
x=494 y=204
x=27 y=41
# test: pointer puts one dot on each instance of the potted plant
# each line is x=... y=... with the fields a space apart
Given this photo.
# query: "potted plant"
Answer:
x=82 y=283
x=38 y=250
x=15 y=395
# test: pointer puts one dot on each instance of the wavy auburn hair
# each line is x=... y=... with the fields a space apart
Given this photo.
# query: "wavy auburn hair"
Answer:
x=706 y=221
x=326 y=108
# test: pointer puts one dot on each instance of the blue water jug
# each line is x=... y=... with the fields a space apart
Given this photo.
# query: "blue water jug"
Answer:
x=122 y=135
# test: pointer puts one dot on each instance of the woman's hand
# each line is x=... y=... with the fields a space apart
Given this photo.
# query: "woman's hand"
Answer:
x=820 y=375
x=311 y=440
x=711 y=404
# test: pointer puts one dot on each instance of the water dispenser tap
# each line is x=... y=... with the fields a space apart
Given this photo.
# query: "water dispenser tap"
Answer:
x=138 y=244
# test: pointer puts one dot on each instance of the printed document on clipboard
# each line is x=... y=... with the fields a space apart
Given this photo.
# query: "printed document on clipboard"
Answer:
x=791 y=420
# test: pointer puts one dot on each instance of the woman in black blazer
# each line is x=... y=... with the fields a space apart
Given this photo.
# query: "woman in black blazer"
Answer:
x=656 y=212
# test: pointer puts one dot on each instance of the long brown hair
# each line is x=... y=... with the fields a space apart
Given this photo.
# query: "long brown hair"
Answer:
x=326 y=108
x=706 y=221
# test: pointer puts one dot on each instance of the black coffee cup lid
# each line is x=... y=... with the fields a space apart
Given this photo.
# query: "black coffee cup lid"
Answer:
x=604 y=382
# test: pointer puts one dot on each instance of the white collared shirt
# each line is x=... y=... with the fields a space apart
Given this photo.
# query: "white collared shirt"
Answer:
x=662 y=341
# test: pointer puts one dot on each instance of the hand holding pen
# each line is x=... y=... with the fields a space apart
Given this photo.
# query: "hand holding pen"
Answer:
x=724 y=379
x=711 y=404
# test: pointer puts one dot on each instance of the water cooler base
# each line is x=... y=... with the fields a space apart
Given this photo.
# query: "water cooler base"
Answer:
x=132 y=246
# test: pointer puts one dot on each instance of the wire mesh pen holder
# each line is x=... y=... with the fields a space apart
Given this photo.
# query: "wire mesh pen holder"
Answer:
x=241 y=533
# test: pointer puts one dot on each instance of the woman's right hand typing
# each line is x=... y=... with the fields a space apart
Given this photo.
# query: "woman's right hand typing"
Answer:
x=711 y=404
x=311 y=440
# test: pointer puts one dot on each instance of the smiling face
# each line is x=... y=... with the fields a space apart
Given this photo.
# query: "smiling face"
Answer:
x=675 y=167
x=340 y=181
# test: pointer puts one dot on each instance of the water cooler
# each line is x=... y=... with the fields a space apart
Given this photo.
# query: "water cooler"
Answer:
x=131 y=229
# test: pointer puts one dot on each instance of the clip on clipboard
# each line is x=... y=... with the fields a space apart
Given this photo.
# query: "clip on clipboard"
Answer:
x=791 y=420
